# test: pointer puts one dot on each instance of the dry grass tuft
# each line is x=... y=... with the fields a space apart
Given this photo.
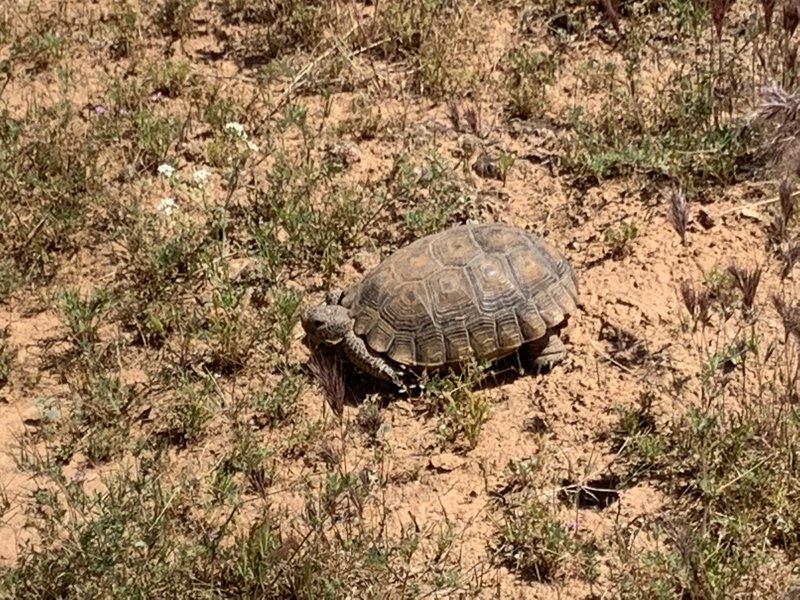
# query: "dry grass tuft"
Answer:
x=779 y=113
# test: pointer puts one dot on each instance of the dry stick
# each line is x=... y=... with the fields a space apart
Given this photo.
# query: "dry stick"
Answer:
x=32 y=233
x=553 y=492
x=350 y=55
x=349 y=58
x=298 y=79
x=753 y=205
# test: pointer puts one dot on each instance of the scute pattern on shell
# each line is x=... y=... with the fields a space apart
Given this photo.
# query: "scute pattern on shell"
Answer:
x=473 y=290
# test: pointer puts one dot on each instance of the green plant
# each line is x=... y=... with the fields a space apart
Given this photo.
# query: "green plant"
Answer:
x=279 y=403
x=82 y=316
x=98 y=410
x=153 y=136
x=43 y=48
x=286 y=304
x=174 y=17
x=51 y=180
x=463 y=411
x=303 y=219
x=532 y=542
x=157 y=267
x=529 y=73
x=282 y=28
x=189 y=415
x=620 y=238
x=228 y=327
x=123 y=27
x=426 y=34
x=428 y=196
x=7 y=354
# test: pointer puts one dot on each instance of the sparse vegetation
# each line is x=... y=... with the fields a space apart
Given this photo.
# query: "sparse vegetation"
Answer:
x=619 y=238
x=179 y=180
x=532 y=543
x=530 y=72
x=6 y=357
x=462 y=410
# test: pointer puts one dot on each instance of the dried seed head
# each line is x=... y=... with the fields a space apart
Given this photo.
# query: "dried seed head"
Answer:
x=703 y=306
x=259 y=479
x=769 y=8
x=779 y=116
x=777 y=228
x=790 y=316
x=778 y=104
x=790 y=57
x=783 y=212
x=785 y=193
x=611 y=11
x=473 y=118
x=719 y=8
x=326 y=366
x=689 y=295
x=678 y=212
x=747 y=282
x=789 y=259
x=696 y=302
x=791 y=16
x=454 y=115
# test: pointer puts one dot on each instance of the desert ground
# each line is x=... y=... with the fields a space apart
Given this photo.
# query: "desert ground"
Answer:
x=180 y=179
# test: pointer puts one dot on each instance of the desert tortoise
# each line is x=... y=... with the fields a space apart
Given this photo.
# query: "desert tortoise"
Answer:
x=477 y=291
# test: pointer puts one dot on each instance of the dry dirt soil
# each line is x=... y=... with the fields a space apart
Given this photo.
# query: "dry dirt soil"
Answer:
x=371 y=89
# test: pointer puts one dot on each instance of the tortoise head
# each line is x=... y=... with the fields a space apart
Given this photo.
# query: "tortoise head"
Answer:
x=327 y=323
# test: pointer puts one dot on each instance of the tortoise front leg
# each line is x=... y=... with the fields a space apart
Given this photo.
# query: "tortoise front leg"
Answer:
x=361 y=357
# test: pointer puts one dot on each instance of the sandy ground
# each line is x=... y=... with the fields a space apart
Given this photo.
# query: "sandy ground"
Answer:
x=626 y=340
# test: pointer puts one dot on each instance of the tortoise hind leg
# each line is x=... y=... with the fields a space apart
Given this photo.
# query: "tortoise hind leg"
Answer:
x=547 y=352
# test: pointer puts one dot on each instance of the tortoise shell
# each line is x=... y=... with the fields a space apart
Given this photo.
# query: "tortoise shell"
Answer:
x=470 y=291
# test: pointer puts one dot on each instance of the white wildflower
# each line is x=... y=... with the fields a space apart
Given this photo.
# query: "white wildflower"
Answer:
x=200 y=177
x=166 y=170
x=167 y=206
x=236 y=128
